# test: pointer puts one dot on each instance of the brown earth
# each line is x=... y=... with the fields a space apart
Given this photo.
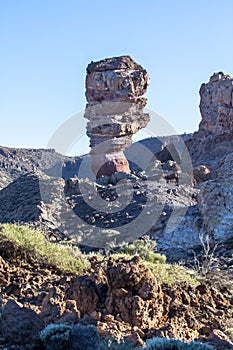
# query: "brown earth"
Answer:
x=122 y=298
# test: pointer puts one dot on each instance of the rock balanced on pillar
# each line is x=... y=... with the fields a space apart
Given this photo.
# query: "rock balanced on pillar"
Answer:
x=114 y=87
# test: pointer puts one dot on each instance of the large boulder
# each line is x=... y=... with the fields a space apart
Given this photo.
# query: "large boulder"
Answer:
x=20 y=326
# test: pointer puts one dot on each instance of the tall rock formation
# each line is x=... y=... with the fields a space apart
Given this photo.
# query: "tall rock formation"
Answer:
x=211 y=149
x=114 y=87
x=216 y=104
x=214 y=138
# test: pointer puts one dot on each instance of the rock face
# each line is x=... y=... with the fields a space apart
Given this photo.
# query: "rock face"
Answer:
x=214 y=138
x=114 y=87
x=215 y=200
x=216 y=104
x=115 y=79
x=211 y=152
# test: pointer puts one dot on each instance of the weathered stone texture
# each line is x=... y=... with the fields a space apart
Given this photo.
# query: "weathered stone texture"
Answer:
x=216 y=104
x=114 y=87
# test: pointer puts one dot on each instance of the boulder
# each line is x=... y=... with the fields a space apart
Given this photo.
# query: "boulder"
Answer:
x=20 y=326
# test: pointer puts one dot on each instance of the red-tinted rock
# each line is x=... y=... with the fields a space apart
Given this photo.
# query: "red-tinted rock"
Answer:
x=114 y=87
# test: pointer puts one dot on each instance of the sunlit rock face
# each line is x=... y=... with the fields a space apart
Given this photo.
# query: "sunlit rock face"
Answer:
x=115 y=110
x=115 y=79
x=216 y=104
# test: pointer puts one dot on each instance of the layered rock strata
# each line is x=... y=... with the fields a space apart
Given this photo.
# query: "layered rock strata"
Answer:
x=114 y=87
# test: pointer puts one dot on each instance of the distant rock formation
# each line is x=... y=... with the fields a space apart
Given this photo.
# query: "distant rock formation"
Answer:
x=114 y=87
x=211 y=150
x=216 y=104
x=213 y=140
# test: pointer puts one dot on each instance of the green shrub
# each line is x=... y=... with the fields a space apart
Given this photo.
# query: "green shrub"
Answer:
x=85 y=338
x=156 y=258
x=56 y=336
x=172 y=344
x=79 y=337
x=88 y=338
x=32 y=242
x=229 y=332
x=172 y=273
x=144 y=248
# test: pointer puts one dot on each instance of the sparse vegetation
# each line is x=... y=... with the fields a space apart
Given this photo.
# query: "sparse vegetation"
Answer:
x=56 y=336
x=207 y=262
x=172 y=273
x=165 y=273
x=33 y=246
x=79 y=337
x=144 y=248
x=207 y=265
x=172 y=344
x=230 y=333
x=71 y=260
x=33 y=242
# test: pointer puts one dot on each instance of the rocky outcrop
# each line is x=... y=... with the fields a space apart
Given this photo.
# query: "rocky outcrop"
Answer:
x=115 y=79
x=114 y=87
x=215 y=200
x=216 y=104
x=20 y=326
x=110 y=128
x=211 y=152
x=121 y=297
x=125 y=295
x=214 y=139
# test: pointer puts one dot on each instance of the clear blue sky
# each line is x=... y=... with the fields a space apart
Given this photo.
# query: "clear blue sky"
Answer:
x=47 y=44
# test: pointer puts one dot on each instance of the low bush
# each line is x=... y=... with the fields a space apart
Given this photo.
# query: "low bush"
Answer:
x=172 y=344
x=79 y=337
x=56 y=336
x=144 y=248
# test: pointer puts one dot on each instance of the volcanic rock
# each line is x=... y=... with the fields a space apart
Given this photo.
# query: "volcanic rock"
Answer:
x=117 y=78
x=211 y=152
x=214 y=139
x=216 y=104
x=20 y=326
x=114 y=110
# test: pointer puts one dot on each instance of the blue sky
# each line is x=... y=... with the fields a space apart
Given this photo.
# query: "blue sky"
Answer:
x=47 y=44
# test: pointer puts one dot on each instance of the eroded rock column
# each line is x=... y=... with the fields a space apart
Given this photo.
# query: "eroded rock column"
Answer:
x=114 y=89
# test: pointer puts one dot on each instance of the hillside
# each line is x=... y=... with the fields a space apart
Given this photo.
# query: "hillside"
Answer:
x=123 y=296
x=142 y=249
